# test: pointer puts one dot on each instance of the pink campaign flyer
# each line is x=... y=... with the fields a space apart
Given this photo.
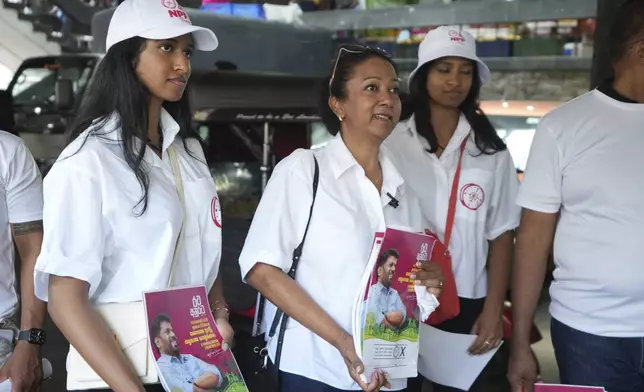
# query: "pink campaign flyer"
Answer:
x=186 y=344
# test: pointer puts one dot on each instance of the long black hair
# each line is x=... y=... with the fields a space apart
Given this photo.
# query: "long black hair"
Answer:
x=116 y=90
x=347 y=59
x=485 y=136
x=627 y=26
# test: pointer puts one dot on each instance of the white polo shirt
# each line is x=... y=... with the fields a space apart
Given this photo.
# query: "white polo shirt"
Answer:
x=20 y=202
x=485 y=207
x=348 y=212
x=586 y=163
x=93 y=234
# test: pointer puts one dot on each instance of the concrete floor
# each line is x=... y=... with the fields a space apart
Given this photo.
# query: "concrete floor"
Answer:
x=57 y=347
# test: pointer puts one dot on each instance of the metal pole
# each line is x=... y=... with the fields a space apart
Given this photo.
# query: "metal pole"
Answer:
x=602 y=67
x=265 y=155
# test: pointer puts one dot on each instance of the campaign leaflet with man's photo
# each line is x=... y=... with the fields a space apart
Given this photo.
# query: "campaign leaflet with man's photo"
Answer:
x=186 y=344
x=389 y=310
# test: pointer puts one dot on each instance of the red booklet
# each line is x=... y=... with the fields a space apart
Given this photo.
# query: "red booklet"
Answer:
x=449 y=302
x=186 y=344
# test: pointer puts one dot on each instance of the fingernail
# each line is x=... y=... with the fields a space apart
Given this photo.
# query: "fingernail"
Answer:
x=419 y=264
x=358 y=369
x=412 y=276
x=225 y=346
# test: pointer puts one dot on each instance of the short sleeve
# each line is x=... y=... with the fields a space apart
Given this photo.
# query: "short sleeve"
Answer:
x=540 y=189
x=504 y=214
x=73 y=242
x=281 y=216
x=23 y=187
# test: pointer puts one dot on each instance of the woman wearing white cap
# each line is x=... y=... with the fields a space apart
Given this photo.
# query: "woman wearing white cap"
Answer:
x=130 y=203
x=449 y=143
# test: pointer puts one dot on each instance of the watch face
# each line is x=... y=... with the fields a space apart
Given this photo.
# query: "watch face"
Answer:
x=37 y=336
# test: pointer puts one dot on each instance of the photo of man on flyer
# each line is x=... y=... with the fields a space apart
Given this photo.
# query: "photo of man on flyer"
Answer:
x=182 y=372
x=383 y=301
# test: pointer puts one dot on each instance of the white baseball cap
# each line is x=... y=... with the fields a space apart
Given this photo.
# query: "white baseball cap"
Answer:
x=156 y=19
x=447 y=41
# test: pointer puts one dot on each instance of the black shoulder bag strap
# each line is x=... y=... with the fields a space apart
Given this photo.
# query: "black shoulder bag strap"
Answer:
x=281 y=319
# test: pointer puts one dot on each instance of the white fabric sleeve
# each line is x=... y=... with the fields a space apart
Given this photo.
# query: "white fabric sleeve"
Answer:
x=23 y=187
x=281 y=216
x=504 y=214
x=540 y=189
x=74 y=239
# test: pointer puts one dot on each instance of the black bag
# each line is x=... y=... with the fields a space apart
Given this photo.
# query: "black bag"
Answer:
x=269 y=373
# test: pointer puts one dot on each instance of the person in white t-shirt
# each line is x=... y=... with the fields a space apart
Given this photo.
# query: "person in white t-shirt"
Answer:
x=21 y=206
x=130 y=205
x=360 y=107
x=583 y=192
x=447 y=133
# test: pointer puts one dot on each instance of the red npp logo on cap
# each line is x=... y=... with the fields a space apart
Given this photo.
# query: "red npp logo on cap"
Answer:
x=456 y=36
x=174 y=10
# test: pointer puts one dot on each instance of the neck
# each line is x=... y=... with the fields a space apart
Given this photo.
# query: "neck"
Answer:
x=154 y=113
x=365 y=152
x=444 y=122
x=629 y=82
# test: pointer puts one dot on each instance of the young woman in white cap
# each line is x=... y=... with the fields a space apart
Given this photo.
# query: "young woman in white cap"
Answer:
x=354 y=177
x=130 y=203
x=446 y=137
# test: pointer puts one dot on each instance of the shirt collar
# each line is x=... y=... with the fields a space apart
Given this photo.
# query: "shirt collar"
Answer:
x=341 y=160
x=111 y=130
x=382 y=288
x=171 y=358
x=463 y=129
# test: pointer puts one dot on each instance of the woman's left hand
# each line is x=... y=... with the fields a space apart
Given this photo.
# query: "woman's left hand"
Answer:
x=488 y=329
x=430 y=276
x=226 y=331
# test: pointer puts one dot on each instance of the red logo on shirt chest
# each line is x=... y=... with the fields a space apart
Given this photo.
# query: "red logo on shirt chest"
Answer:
x=472 y=196
x=215 y=211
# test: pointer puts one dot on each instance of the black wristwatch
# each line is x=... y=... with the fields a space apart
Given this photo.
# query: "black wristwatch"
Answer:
x=33 y=336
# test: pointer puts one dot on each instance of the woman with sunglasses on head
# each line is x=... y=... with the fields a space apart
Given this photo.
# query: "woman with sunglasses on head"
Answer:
x=129 y=203
x=360 y=107
x=449 y=143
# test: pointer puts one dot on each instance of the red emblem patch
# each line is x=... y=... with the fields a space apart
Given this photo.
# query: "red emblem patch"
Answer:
x=171 y=4
x=456 y=36
x=472 y=196
x=215 y=211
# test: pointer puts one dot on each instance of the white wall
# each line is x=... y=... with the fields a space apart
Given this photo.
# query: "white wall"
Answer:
x=5 y=76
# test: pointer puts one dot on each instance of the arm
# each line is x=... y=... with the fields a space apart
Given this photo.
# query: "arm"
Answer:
x=28 y=239
x=217 y=300
x=398 y=311
x=287 y=295
x=23 y=197
x=219 y=311
x=534 y=241
x=277 y=229
x=71 y=310
x=210 y=376
x=541 y=198
x=208 y=381
x=503 y=217
x=69 y=268
x=499 y=263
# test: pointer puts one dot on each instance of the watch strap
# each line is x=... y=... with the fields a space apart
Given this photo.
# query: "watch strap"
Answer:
x=33 y=336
